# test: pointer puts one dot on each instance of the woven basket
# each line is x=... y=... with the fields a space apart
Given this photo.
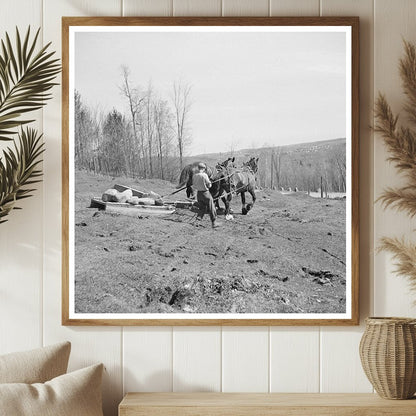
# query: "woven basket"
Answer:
x=388 y=356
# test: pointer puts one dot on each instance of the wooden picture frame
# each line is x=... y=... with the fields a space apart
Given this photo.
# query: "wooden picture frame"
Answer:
x=84 y=266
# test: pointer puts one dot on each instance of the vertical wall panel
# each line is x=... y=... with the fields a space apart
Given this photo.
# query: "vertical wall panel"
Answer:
x=89 y=344
x=245 y=359
x=394 y=21
x=197 y=359
x=341 y=370
x=340 y=363
x=147 y=7
x=245 y=8
x=147 y=359
x=294 y=351
x=147 y=352
x=294 y=8
x=28 y=13
x=197 y=7
x=21 y=237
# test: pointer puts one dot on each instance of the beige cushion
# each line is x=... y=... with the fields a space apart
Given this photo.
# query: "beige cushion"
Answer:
x=73 y=394
x=35 y=366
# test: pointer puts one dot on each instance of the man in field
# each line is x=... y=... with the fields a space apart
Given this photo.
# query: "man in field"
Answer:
x=201 y=184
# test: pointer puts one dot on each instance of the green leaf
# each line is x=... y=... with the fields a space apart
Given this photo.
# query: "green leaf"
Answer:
x=24 y=49
x=26 y=78
x=19 y=50
x=18 y=170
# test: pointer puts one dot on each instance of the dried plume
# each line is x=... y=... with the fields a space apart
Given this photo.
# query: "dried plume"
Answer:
x=401 y=199
x=404 y=254
x=401 y=144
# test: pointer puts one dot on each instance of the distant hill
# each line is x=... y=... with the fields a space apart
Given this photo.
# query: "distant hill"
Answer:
x=291 y=149
x=297 y=165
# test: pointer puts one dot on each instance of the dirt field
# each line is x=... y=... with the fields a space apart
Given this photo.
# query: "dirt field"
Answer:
x=286 y=256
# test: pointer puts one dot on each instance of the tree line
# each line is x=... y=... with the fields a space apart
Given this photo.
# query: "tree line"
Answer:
x=147 y=141
x=323 y=169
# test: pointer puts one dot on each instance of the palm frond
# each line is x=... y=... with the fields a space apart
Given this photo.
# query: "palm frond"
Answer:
x=19 y=168
x=26 y=78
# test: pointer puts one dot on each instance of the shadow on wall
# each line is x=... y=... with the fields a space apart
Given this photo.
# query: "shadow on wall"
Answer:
x=160 y=381
x=112 y=393
x=90 y=8
x=21 y=265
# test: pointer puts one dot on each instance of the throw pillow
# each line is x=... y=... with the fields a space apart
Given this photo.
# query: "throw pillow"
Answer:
x=73 y=394
x=35 y=366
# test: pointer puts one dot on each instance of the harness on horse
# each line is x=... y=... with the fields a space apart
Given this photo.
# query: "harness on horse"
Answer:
x=244 y=168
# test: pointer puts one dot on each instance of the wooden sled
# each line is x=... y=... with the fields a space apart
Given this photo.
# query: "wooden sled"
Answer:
x=132 y=210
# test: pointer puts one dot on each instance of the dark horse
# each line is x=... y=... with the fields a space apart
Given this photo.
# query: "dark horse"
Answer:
x=186 y=177
x=244 y=180
x=229 y=163
x=221 y=186
x=189 y=170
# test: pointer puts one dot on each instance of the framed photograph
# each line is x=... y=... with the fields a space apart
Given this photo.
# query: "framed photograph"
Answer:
x=210 y=171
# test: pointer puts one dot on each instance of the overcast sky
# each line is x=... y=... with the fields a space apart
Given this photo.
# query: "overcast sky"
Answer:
x=248 y=89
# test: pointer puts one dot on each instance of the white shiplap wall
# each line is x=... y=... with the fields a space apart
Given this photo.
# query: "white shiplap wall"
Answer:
x=303 y=359
x=21 y=282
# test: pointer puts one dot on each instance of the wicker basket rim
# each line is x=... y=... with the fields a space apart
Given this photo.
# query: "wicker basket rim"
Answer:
x=392 y=320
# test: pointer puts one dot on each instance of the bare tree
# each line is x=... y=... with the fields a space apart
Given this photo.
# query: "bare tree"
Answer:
x=338 y=156
x=135 y=101
x=182 y=106
x=87 y=134
x=149 y=125
x=112 y=150
x=275 y=167
x=163 y=130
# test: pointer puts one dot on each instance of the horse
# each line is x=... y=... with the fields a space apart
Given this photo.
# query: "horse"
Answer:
x=188 y=172
x=221 y=188
x=252 y=164
x=243 y=181
x=225 y=164
x=186 y=177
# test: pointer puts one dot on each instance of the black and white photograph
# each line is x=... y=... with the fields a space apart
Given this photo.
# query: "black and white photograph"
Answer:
x=210 y=172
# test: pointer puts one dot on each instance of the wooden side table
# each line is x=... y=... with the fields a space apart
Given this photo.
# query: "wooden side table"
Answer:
x=263 y=404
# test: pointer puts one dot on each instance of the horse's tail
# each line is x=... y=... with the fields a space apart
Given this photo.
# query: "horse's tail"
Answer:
x=184 y=178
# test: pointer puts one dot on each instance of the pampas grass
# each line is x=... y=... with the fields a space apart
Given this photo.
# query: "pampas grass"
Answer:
x=404 y=254
x=401 y=199
x=401 y=143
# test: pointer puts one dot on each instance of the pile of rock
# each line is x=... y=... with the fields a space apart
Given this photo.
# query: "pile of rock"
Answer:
x=126 y=196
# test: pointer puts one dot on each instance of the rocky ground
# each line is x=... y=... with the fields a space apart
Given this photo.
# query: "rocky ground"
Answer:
x=286 y=256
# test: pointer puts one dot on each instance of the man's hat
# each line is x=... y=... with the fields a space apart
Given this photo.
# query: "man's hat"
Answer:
x=201 y=166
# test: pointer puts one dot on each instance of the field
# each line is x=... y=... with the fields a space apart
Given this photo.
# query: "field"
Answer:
x=286 y=256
